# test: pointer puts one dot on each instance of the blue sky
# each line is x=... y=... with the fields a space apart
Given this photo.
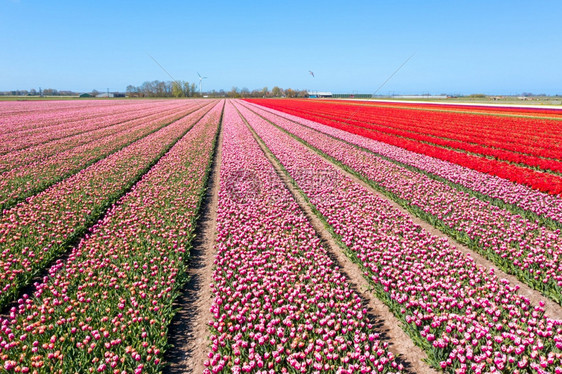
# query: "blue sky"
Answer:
x=503 y=47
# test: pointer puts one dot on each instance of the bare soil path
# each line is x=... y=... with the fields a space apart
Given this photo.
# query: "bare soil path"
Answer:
x=188 y=331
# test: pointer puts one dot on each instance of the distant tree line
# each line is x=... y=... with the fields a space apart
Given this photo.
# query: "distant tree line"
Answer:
x=168 y=89
x=40 y=92
x=185 y=89
x=265 y=92
x=158 y=88
x=163 y=89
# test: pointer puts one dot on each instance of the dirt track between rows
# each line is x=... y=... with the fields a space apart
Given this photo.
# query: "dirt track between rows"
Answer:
x=189 y=330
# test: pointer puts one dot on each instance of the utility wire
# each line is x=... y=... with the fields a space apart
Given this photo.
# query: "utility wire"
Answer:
x=393 y=74
x=385 y=82
x=166 y=71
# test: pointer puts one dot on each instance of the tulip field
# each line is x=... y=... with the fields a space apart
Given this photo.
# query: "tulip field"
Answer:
x=521 y=148
x=450 y=216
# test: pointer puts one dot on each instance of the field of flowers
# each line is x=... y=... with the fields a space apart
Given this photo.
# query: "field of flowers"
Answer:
x=41 y=229
x=47 y=164
x=280 y=304
x=102 y=204
x=109 y=304
x=519 y=246
x=515 y=147
x=466 y=318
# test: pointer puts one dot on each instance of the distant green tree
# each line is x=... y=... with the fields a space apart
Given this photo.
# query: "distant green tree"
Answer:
x=276 y=92
x=233 y=92
x=289 y=92
x=132 y=91
x=177 y=90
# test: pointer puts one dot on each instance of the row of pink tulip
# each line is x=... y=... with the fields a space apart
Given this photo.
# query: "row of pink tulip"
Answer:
x=107 y=308
x=280 y=305
x=10 y=111
x=92 y=130
x=34 y=115
x=465 y=318
x=515 y=244
x=506 y=194
x=34 y=233
x=29 y=179
x=76 y=125
x=33 y=121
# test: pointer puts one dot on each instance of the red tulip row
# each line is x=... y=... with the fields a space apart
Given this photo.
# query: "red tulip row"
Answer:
x=280 y=306
x=91 y=130
x=34 y=233
x=474 y=137
x=29 y=179
x=513 y=134
x=536 y=157
x=107 y=308
x=466 y=319
x=536 y=179
x=505 y=110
